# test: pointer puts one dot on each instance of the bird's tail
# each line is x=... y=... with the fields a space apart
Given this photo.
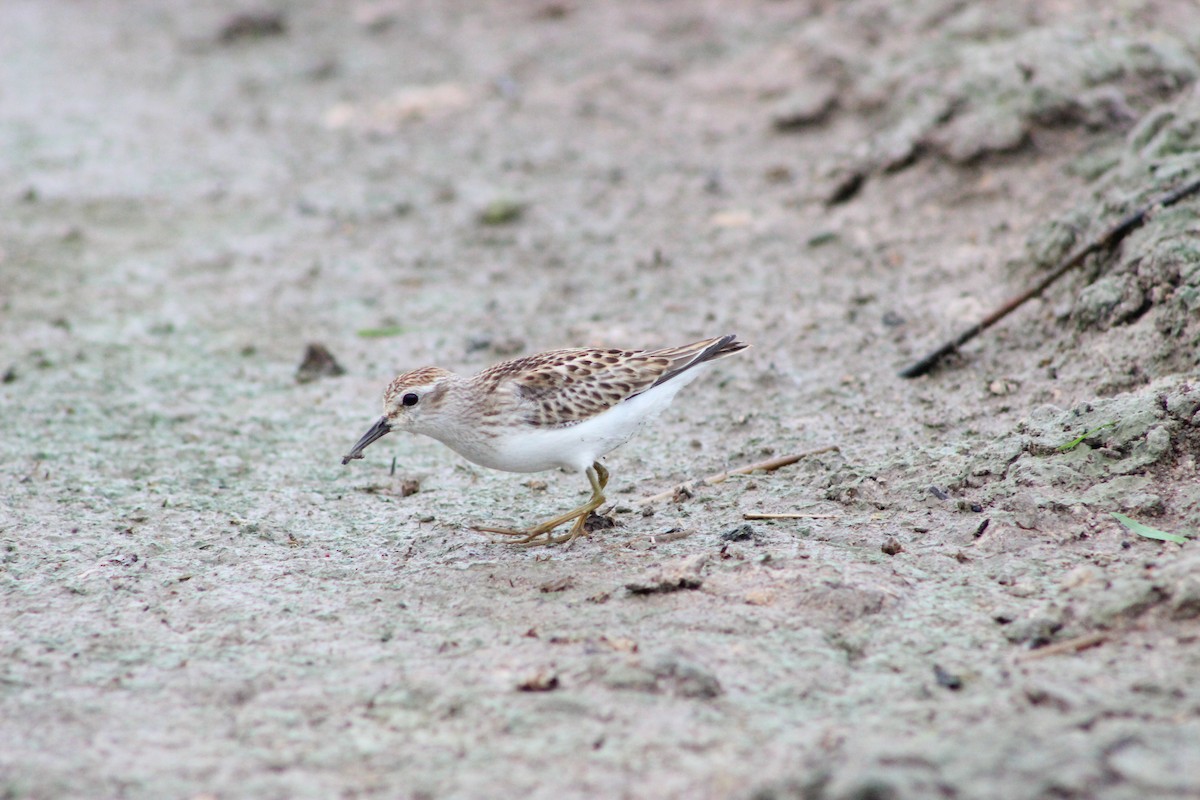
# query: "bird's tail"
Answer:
x=690 y=355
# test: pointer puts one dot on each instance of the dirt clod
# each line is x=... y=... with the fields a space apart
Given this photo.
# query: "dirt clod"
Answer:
x=671 y=577
x=317 y=363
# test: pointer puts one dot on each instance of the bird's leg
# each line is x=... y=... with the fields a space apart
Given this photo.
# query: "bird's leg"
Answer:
x=597 y=476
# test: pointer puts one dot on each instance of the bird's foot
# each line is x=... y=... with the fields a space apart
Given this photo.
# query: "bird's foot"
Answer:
x=540 y=535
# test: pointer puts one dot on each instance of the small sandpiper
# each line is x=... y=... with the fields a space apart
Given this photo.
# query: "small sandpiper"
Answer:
x=560 y=409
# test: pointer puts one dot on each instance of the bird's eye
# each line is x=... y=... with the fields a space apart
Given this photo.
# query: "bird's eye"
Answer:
x=410 y=399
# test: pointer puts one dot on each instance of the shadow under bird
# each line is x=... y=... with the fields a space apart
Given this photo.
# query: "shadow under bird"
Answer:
x=562 y=409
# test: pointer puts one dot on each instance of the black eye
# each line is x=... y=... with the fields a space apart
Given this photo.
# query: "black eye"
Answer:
x=410 y=399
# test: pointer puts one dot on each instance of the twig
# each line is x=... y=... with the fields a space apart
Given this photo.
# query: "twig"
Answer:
x=1105 y=242
x=758 y=515
x=770 y=465
x=1069 y=646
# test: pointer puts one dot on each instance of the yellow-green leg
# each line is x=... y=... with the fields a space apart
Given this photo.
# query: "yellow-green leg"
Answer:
x=597 y=476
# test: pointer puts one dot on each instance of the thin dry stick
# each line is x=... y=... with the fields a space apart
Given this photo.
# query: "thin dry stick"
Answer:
x=1105 y=242
x=1069 y=646
x=770 y=465
x=758 y=515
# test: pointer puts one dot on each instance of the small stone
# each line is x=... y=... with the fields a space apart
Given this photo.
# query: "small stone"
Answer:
x=542 y=680
x=1002 y=387
x=804 y=107
x=557 y=585
x=598 y=522
x=891 y=547
x=946 y=679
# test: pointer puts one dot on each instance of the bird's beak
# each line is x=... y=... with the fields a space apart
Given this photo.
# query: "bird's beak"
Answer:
x=378 y=431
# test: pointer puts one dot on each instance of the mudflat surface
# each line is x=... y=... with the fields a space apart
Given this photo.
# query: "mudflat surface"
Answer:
x=200 y=601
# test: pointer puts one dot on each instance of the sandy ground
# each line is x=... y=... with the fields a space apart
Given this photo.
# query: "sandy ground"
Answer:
x=200 y=601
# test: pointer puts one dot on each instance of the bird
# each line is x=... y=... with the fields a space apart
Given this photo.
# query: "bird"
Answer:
x=561 y=409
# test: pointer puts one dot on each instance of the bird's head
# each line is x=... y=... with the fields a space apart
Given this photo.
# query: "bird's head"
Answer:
x=409 y=403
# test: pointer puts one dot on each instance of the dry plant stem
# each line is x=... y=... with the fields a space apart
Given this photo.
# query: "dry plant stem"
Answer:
x=770 y=465
x=1069 y=646
x=1105 y=242
x=758 y=515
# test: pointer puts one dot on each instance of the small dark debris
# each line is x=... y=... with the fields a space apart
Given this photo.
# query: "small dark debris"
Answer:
x=557 y=585
x=892 y=320
x=978 y=509
x=983 y=526
x=891 y=547
x=409 y=486
x=780 y=173
x=552 y=11
x=318 y=362
x=657 y=261
x=939 y=493
x=1035 y=632
x=10 y=375
x=252 y=25
x=738 y=534
x=947 y=680
x=846 y=187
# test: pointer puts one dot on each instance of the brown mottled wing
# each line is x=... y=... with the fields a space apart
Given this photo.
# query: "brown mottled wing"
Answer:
x=565 y=387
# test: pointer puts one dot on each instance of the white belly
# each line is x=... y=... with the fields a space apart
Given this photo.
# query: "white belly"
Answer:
x=577 y=446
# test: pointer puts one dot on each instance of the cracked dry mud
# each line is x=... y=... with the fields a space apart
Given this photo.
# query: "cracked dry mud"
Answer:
x=200 y=601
